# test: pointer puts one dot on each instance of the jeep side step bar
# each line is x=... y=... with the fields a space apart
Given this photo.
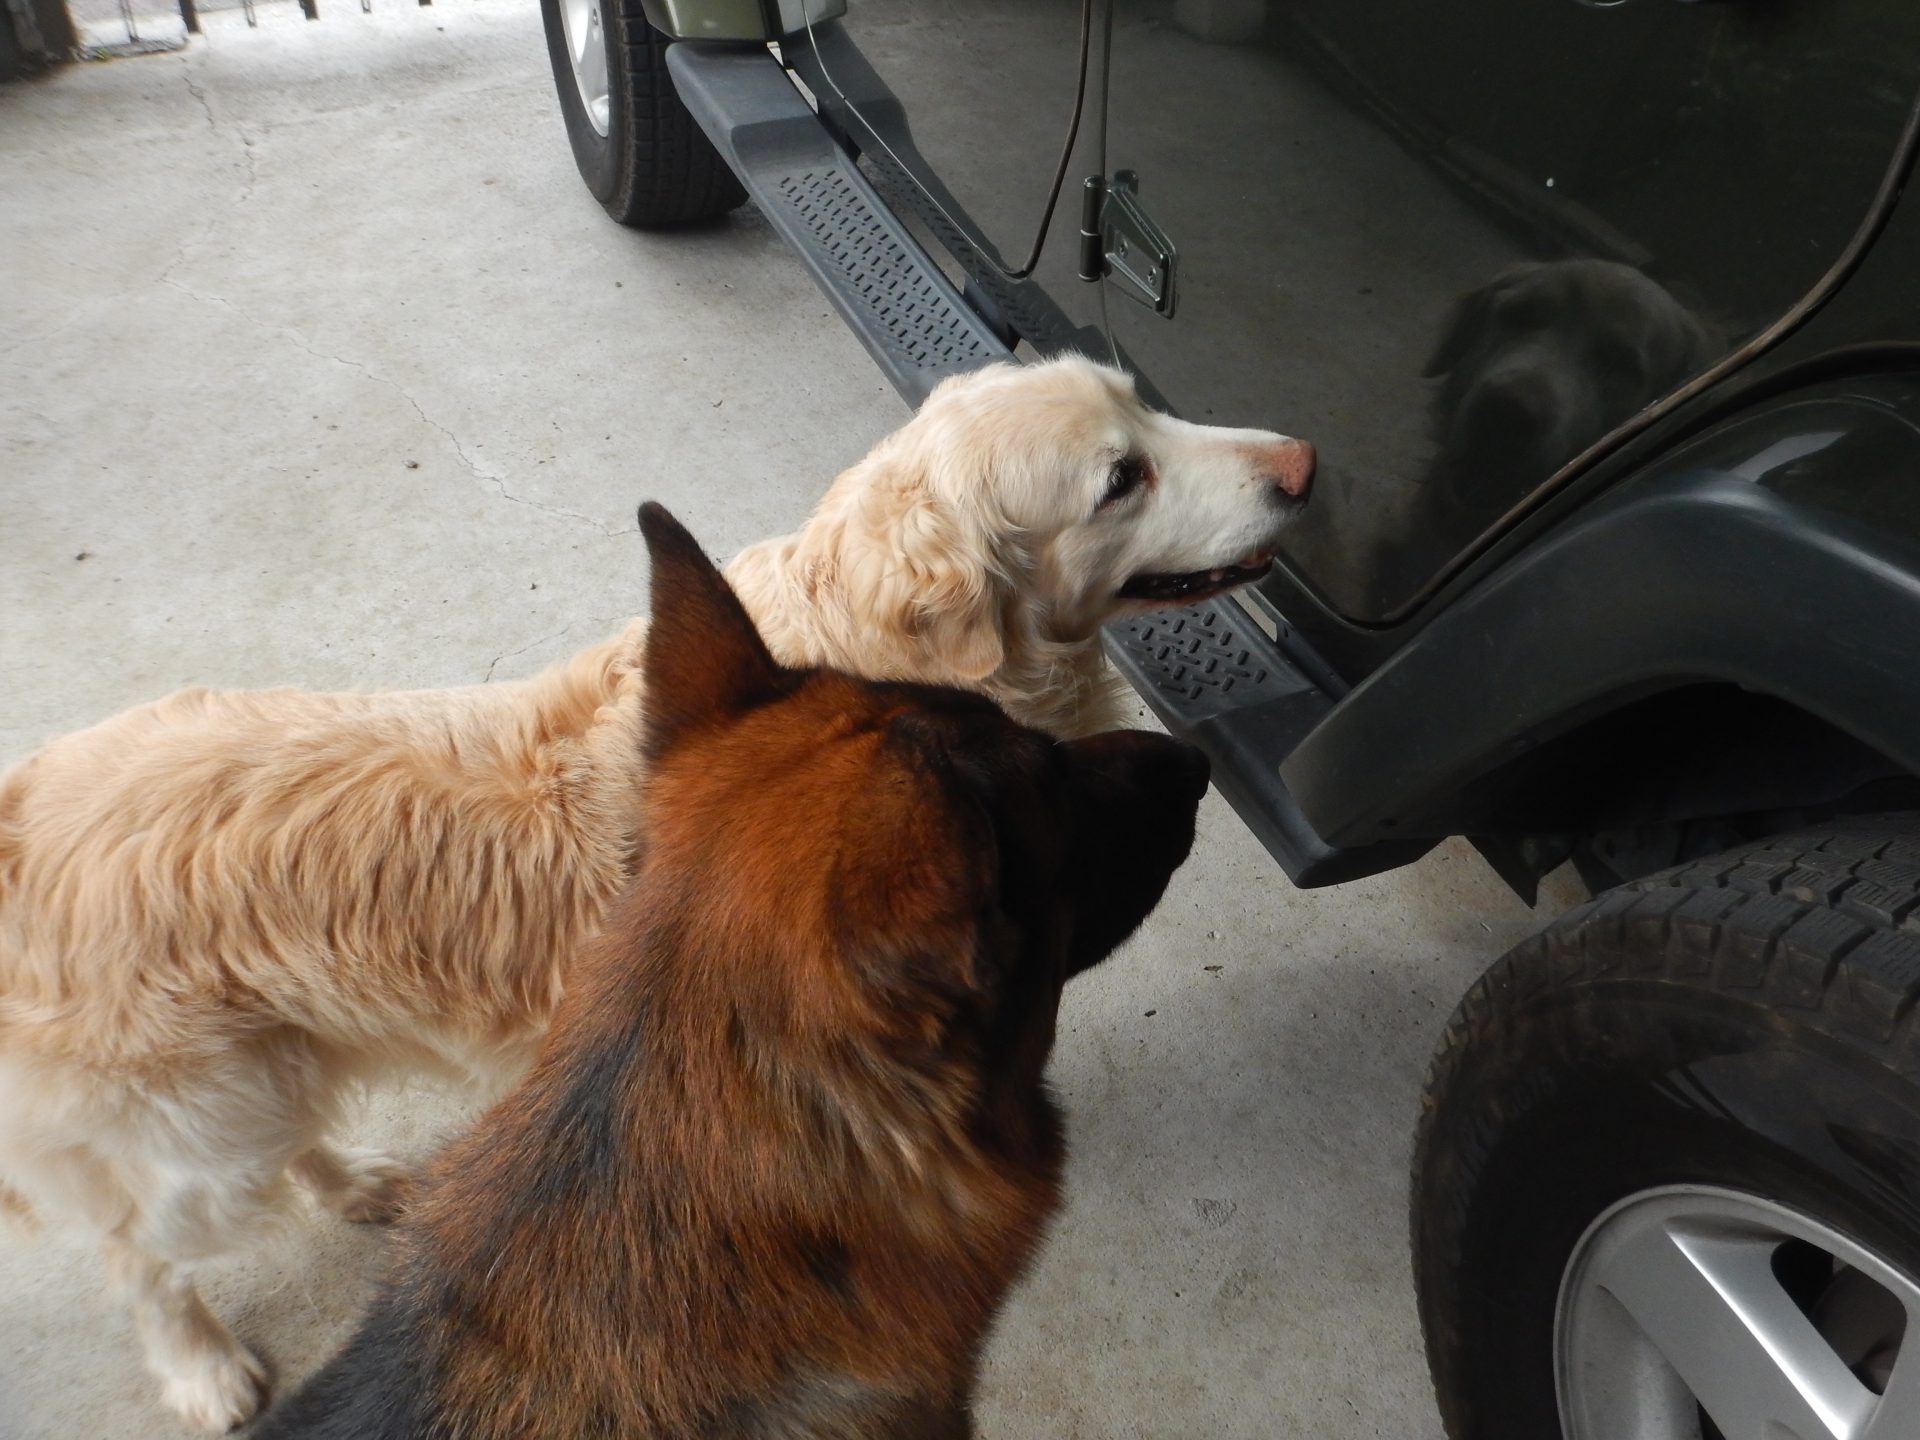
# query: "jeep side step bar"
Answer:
x=1215 y=678
x=910 y=317
x=1209 y=672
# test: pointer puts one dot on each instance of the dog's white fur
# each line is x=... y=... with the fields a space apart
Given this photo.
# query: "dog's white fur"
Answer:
x=222 y=911
x=970 y=548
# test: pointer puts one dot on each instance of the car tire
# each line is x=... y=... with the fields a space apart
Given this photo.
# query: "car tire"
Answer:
x=1735 y=1035
x=636 y=145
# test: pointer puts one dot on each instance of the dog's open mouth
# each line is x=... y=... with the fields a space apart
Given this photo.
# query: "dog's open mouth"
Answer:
x=1198 y=584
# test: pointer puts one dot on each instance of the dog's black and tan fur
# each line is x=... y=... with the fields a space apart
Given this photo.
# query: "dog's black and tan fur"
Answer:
x=788 y=1145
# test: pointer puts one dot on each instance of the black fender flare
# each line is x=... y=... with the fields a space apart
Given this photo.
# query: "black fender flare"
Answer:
x=1780 y=552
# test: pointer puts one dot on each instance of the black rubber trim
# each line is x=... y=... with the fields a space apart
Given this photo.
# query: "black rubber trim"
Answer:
x=1693 y=575
x=912 y=319
x=1219 y=681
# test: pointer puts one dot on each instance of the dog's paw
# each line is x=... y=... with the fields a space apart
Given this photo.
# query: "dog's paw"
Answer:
x=222 y=1392
x=375 y=1190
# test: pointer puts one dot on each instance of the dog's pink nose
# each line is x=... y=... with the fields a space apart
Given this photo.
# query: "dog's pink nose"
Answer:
x=1290 y=465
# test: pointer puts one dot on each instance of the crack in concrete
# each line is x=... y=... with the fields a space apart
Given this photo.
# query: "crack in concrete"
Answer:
x=181 y=253
x=197 y=93
x=601 y=621
x=72 y=319
x=498 y=482
x=487 y=679
x=472 y=466
x=188 y=246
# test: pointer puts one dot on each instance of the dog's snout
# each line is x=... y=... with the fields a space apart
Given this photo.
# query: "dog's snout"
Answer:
x=1288 y=464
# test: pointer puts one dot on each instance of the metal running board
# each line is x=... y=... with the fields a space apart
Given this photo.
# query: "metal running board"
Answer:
x=1216 y=679
x=910 y=317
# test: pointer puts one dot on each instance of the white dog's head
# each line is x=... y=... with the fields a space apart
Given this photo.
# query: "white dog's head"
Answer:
x=1093 y=504
x=1021 y=509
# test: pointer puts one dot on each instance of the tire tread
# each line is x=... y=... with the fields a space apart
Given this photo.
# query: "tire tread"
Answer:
x=674 y=175
x=1814 y=920
x=1822 y=924
x=1775 y=921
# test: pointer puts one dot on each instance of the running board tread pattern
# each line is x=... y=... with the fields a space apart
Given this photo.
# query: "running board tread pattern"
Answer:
x=1199 y=657
x=924 y=330
x=910 y=316
x=1218 y=680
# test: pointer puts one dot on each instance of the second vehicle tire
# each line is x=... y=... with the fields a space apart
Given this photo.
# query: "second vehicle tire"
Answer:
x=637 y=148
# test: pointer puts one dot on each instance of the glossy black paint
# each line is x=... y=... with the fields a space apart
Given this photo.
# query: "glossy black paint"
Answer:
x=1456 y=245
x=1351 y=189
x=1047 y=308
x=963 y=113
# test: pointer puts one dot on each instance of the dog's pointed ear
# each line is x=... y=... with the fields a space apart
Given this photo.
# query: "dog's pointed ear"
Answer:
x=705 y=661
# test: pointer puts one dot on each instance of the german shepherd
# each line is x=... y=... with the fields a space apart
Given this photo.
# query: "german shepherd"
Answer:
x=788 y=1145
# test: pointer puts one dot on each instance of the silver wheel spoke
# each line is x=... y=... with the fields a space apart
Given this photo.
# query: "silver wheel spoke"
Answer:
x=1897 y=1414
x=1712 y=1306
x=593 y=69
x=587 y=53
x=1670 y=1306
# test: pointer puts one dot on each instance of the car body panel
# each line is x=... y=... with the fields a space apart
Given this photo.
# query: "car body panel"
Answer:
x=1049 y=308
x=1350 y=189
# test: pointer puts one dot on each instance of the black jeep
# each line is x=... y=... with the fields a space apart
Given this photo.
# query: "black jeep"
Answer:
x=1604 y=319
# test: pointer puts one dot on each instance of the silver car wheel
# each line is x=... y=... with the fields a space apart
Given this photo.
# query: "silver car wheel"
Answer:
x=587 y=49
x=1670 y=1309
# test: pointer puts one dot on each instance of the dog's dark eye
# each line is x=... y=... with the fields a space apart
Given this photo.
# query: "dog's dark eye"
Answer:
x=1128 y=472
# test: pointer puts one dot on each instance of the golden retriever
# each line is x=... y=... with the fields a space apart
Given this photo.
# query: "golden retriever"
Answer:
x=221 y=912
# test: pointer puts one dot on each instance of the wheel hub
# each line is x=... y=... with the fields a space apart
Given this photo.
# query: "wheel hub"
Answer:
x=587 y=50
x=1678 y=1319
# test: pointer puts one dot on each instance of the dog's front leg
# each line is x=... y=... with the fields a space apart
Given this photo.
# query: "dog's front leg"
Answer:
x=210 y=1378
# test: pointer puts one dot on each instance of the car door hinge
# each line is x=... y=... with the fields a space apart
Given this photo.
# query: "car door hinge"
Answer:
x=1120 y=241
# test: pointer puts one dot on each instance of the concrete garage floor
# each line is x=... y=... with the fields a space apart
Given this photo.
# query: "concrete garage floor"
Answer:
x=318 y=366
